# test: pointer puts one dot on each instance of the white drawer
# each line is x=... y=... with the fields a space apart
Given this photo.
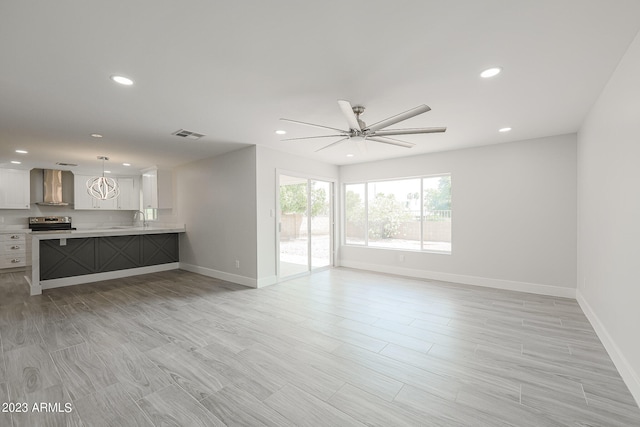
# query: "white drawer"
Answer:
x=12 y=247
x=9 y=262
x=12 y=237
x=13 y=250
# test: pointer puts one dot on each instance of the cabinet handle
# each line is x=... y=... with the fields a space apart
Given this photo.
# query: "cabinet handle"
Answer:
x=15 y=247
x=15 y=236
x=15 y=260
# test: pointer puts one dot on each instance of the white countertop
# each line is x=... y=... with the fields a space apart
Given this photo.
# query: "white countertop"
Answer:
x=111 y=231
x=14 y=230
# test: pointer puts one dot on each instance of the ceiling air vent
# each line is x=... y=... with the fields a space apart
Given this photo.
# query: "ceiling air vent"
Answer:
x=188 y=134
x=66 y=164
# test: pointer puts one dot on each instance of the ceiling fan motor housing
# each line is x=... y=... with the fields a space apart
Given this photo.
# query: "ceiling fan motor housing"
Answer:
x=357 y=110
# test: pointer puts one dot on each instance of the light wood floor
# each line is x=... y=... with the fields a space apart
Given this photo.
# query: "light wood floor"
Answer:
x=338 y=348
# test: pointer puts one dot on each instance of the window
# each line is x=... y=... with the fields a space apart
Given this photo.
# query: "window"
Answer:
x=150 y=214
x=436 y=213
x=409 y=214
x=355 y=227
x=394 y=214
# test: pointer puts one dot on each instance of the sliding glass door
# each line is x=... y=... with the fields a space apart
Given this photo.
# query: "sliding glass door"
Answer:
x=320 y=224
x=305 y=226
x=294 y=235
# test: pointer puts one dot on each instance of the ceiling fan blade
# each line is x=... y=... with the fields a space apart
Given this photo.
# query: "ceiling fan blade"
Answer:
x=399 y=117
x=314 y=137
x=347 y=111
x=332 y=144
x=391 y=141
x=391 y=132
x=313 y=125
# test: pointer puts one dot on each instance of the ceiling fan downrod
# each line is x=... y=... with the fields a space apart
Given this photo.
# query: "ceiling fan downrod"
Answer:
x=357 y=110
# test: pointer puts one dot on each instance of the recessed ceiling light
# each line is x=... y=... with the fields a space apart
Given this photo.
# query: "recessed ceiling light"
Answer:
x=22 y=151
x=490 y=72
x=122 y=80
x=504 y=130
x=349 y=155
x=96 y=135
x=15 y=162
x=126 y=164
x=281 y=132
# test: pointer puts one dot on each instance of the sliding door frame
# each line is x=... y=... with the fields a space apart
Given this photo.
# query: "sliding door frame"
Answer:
x=332 y=221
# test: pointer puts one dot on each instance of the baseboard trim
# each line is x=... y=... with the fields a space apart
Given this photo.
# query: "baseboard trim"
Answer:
x=510 y=285
x=97 y=277
x=267 y=281
x=217 y=274
x=628 y=374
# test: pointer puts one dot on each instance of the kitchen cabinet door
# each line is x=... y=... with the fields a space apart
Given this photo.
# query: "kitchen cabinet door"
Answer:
x=157 y=189
x=129 y=198
x=14 y=189
x=84 y=201
x=150 y=189
x=107 y=205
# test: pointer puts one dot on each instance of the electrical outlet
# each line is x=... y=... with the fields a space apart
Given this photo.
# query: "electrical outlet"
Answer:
x=401 y=257
x=237 y=263
x=1 y=219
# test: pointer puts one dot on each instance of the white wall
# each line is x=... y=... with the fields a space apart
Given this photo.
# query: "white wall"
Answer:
x=609 y=217
x=216 y=199
x=514 y=216
x=268 y=162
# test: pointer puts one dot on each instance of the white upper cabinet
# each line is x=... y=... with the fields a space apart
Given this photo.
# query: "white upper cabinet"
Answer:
x=157 y=189
x=15 y=189
x=81 y=199
x=128 y=199
x=150 y=189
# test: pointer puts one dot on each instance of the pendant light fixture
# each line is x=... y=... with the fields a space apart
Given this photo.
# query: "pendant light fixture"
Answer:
x=101 y=187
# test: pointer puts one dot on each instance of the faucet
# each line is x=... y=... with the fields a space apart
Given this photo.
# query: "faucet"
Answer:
x=144 y=219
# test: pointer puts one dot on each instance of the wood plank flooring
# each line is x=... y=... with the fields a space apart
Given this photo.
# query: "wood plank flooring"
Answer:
x=337 y=348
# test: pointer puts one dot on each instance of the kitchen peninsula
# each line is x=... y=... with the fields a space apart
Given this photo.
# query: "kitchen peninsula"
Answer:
x=73 y=257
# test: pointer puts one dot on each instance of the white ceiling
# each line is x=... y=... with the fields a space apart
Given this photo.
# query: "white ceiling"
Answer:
x=230 y=70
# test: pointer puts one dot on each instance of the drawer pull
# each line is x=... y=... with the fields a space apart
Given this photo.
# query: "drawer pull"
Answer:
x=15 y=247
x=15 y=236
x=15 y=260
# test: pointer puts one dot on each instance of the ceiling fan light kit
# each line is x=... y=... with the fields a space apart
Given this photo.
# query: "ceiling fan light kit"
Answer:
x=101 y=187
x=360 y=132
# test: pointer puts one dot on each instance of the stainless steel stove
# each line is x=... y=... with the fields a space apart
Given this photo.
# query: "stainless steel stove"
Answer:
x=50 y=223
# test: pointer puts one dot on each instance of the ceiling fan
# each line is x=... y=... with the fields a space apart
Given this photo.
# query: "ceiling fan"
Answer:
x=360 y=132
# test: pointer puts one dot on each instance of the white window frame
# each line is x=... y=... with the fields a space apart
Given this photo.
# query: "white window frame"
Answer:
x=366 y=209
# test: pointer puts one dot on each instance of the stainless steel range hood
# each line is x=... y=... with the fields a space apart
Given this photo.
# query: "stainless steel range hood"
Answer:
x=52 y=180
